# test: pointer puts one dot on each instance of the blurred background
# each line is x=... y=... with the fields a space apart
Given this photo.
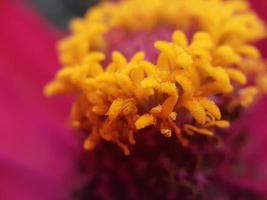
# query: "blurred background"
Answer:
x=59 y=12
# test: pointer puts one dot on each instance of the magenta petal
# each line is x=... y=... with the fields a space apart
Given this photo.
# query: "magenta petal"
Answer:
x=246 y=166
x=36 y=151
x=260 y=7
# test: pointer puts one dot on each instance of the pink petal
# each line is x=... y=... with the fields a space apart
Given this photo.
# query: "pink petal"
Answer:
x=37 y=152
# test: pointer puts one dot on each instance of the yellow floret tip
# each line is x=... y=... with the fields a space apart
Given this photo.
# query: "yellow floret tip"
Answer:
x=144 y=121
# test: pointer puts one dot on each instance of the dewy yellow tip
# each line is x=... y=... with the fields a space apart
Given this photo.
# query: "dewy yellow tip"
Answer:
x=115 y=101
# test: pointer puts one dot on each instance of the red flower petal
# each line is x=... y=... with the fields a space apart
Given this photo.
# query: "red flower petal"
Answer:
x=36 y=151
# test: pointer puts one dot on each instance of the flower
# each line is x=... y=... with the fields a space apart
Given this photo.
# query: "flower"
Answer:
x=37 y=151
x=161 y=79
x=118 y=99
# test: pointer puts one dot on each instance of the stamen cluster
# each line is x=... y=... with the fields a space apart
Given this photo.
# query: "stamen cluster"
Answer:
x=182 y=91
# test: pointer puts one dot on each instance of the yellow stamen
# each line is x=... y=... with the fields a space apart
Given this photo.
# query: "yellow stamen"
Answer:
x=118 y=100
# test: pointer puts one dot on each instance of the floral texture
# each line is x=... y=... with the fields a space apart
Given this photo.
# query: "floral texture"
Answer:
x=38 y=151
x=206 y=67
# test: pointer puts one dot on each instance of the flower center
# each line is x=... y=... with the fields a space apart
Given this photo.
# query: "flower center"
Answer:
x=130 y=43
x=130 y=70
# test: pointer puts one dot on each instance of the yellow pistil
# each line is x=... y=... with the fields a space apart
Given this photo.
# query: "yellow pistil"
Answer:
x=116 y=101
